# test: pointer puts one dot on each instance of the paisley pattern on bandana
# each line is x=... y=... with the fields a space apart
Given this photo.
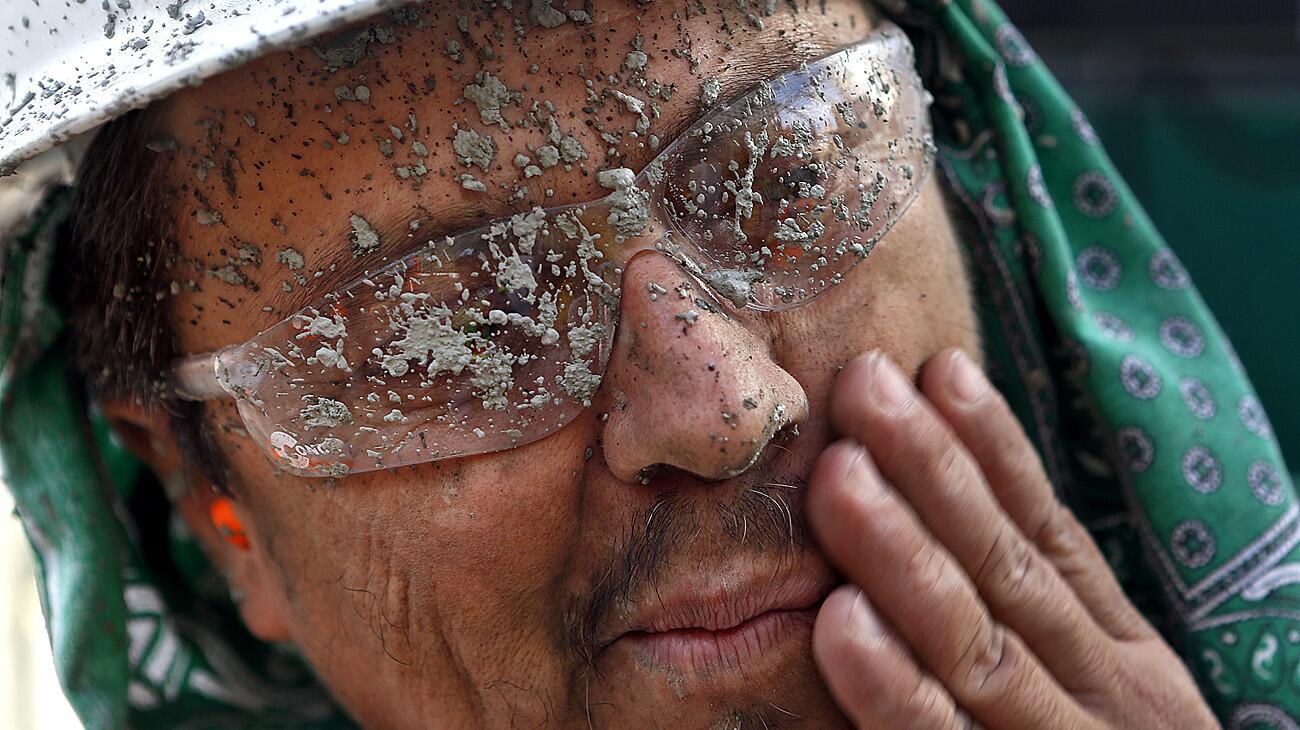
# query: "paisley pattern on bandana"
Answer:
x=1093 y=331
x=1159 y=443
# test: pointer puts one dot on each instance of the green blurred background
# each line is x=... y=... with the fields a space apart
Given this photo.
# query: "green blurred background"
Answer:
x=1198 y=104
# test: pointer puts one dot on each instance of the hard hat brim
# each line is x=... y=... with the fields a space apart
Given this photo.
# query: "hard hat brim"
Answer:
x=71 y=67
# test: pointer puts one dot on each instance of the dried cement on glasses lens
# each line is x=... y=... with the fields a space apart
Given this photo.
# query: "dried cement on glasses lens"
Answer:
x=497 y=337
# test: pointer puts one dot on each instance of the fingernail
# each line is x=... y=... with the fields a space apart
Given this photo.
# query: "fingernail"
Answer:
x=861 y=621
x=891 y=389
x=861 y=481
x=853 y=462
x=968 y=384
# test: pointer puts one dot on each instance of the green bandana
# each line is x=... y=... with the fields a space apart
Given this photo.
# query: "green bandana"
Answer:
x=1093 y=331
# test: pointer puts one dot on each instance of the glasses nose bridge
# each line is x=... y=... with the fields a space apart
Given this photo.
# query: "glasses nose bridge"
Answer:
x=643 y=201
x=635 y=220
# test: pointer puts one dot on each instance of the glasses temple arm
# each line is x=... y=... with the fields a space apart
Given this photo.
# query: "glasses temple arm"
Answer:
x=195 y=377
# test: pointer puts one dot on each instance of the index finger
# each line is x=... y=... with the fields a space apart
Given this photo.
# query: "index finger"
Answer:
x=872 y=535
x=928 y=464
x=983 y=421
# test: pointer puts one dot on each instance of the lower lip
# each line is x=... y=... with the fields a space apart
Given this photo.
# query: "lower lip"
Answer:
x=701 y=651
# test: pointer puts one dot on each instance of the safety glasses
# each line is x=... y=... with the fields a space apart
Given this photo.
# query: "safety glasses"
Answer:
x=499 y=336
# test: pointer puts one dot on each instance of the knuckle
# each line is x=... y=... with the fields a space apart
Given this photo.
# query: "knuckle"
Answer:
x=1021 y=464
x=1012 y=572
x=983 y=665
x=932 y=571
x=925 y=703
x=1057 y=533
x=1096 y=672
x=944 y=462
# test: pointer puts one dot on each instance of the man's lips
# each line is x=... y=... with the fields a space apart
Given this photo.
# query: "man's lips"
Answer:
x=715 y=606
x=711 y=623
x=702 y=652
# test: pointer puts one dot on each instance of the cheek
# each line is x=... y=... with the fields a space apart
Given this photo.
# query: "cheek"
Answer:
x=462 y=540
x=509 y=524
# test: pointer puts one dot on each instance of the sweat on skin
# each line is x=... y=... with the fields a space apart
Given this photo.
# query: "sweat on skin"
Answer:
x=496 y=588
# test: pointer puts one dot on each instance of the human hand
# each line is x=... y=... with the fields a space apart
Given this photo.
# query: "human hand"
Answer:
x=975 y=597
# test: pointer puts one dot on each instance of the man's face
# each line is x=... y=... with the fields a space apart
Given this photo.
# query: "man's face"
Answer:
x=647 y=565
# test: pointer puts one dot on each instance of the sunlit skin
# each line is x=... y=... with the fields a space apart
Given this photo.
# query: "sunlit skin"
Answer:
x=451 y=594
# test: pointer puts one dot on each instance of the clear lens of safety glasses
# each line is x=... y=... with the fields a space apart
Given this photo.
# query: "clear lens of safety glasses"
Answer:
x=777 y=196
x=499 y=336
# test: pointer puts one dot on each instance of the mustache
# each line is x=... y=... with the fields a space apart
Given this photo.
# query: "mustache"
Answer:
x=764 y=517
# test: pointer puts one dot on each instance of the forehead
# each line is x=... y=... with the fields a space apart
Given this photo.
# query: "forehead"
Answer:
x=298 y=171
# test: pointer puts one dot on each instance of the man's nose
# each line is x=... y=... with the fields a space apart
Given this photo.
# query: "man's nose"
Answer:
x=688 y=384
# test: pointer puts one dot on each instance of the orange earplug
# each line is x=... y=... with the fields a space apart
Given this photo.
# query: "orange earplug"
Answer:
x=223 y=517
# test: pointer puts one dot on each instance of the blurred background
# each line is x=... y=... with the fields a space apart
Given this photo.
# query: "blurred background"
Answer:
x=1198 y=103
x=29 y=691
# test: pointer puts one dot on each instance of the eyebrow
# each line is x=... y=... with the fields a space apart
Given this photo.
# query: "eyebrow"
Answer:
x=340 y=267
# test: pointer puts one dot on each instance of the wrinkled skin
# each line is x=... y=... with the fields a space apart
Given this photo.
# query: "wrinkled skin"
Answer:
x=974 y=595
x=455 y=593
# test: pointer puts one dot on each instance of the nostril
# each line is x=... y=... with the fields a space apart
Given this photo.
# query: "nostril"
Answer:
x=647 y=474
x=785 y=434
x=664 y=471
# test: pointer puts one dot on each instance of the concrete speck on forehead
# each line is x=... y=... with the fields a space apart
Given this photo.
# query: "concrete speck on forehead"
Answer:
x=473 y=148
x=636 y=60
x=69 y=77
x=571 y=149
x=469 y=182
x=548 y=155
x=541 y=13
x=343 y=50
x=229 y=274
x=635 y=106
x=489 y=94
x=207 y=217
x=364 y=237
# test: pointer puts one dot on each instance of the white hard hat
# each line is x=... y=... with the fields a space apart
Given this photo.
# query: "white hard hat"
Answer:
x=70 y=65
